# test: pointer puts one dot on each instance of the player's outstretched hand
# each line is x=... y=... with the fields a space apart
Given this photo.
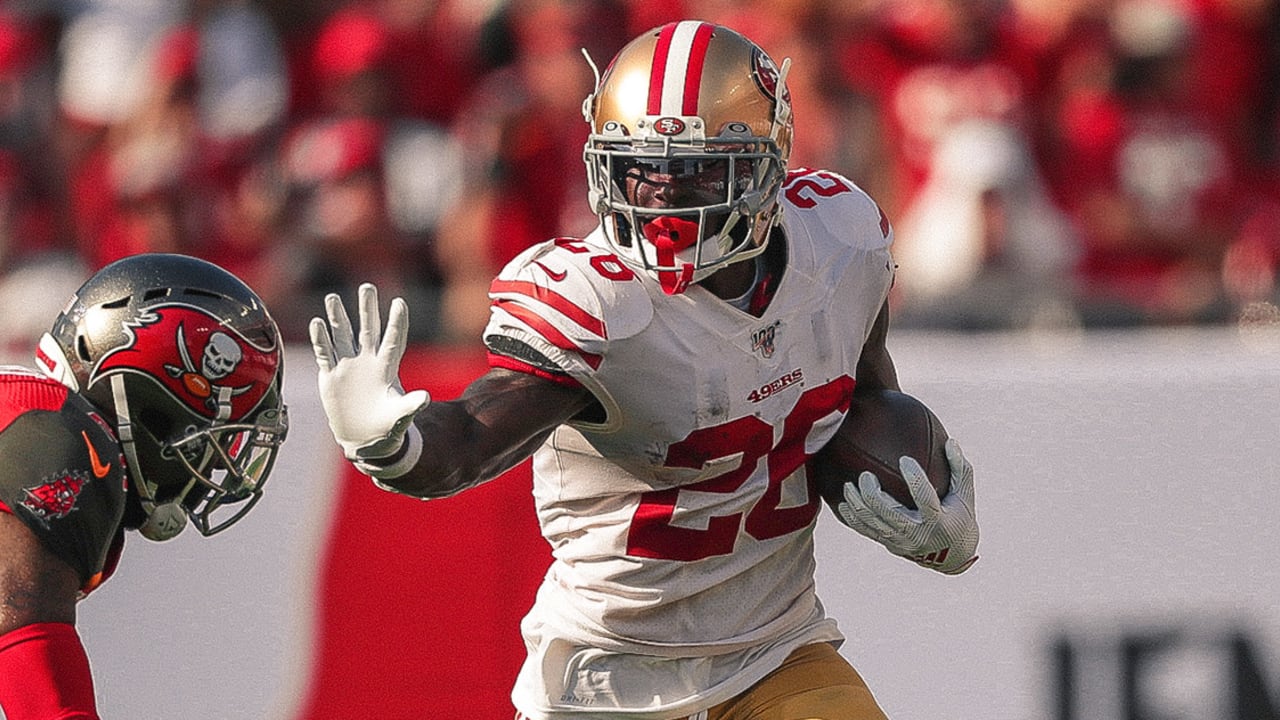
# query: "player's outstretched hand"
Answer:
x=941 y=535
x=369 y=412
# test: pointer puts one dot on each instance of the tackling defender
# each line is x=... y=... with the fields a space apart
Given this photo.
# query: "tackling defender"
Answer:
x=158 y=404
x=670 y=374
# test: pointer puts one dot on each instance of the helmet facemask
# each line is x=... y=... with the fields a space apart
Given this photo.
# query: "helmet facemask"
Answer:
x=212 y=472
x=682 y=213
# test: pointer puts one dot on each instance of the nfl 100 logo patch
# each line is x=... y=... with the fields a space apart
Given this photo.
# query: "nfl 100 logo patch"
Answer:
x=764 y=340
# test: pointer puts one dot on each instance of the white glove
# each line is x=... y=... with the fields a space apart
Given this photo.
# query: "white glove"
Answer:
x=369 y=412
x=940 y=535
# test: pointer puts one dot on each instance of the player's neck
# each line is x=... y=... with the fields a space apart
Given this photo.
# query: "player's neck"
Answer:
x=744 y=280
x=733 y=281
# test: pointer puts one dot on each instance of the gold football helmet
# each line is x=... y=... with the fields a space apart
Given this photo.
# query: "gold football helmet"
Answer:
x=689 y=140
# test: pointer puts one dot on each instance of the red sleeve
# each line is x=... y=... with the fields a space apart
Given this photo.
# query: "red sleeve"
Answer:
x=44 y=674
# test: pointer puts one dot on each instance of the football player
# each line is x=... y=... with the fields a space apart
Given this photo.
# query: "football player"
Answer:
x=158 y=405
x=670 y=374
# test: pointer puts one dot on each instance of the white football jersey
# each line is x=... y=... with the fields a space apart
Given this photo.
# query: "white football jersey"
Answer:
x=682 y=520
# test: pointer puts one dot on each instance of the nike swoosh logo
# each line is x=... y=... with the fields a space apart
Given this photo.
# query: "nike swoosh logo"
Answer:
x=557 y=276
x=100 y=469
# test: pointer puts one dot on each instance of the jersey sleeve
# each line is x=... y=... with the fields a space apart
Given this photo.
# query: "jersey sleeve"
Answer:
x=834 y=206
x=556 y=308
x=63 y=472
x=44 y=673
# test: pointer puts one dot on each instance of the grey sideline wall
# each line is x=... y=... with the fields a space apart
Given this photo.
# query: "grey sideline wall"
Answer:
x=1127 y=485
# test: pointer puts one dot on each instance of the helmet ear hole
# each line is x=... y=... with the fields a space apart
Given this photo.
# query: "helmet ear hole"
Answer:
x=82 y=349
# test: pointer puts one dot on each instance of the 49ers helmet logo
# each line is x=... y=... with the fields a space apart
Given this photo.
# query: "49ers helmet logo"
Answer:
x=766 y=76
x=668 y=126
x=209 y=366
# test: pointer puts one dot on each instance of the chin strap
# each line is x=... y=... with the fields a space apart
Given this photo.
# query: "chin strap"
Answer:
x=164 y=520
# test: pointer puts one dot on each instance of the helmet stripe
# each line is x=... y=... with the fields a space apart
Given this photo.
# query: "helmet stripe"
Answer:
x=676 y=74
x=697 y=60
x=659 y=69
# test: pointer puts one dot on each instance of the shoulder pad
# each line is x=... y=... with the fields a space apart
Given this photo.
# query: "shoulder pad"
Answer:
x=568 y=296
x=829 y=200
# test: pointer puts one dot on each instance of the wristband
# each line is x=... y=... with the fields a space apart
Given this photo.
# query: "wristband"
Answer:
x=395 y=464
x=44 y=674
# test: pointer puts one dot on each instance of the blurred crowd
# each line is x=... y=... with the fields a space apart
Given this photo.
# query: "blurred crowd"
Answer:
x=1081 y=163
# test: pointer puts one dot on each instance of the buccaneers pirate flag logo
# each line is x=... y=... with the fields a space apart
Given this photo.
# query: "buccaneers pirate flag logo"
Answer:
x=209 y=366
x=56 y=498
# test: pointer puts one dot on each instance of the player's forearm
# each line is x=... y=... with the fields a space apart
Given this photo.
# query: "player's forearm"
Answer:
x=499 y=421
x=458 y=452
x=44 y=673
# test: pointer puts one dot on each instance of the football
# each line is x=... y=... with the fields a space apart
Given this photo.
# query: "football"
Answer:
x=879 y=428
